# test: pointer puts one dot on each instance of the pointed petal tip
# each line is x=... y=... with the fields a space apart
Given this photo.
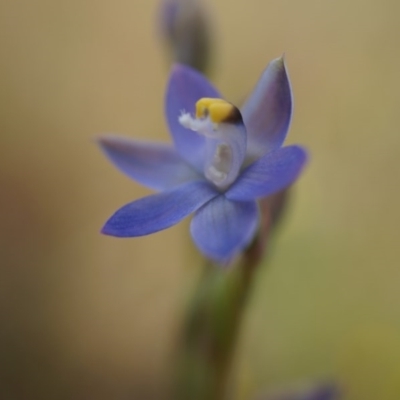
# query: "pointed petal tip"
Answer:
x=97 y=139
x=303 y=153
x=303 y=157
x=279 y=63
x=109 y=140
x=104 y=230
x=102 y=139
x=188 y=71
x=107 y=230
x=267 y=112
x=299 y=154
x=282 y=58
x=178 y=68
x=112 y=228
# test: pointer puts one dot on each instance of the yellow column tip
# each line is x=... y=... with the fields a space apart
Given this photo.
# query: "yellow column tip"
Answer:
x=218 y=110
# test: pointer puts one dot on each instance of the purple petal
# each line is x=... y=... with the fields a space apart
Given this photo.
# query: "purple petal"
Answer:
x=269 y=174
x=185 y=87
x=154 y=165
x=159 y=211
x=268 y=110
x=222 y=228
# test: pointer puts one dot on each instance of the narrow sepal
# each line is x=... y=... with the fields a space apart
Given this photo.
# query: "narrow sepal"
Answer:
x=268 y=110
x=269 y=174
x=155 y=165
x=159 y=211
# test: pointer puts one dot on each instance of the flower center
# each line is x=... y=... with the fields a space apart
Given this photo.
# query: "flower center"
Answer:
x=222 y=126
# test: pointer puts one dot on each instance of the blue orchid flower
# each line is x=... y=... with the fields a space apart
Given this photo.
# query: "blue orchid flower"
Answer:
x=223 y=160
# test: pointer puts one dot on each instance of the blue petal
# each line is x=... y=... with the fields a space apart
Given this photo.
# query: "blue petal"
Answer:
x=268 y=110
x=222 y=228
x=159 y=211
x=185 y=87
x=154 y=165
x=269 y=174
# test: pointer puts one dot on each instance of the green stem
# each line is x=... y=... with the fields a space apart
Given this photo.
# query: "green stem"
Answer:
x=213 y=322
x=212 y=327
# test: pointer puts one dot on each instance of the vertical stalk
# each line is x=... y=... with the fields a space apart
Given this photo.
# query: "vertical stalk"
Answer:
x=214 y=317
x=210 y=334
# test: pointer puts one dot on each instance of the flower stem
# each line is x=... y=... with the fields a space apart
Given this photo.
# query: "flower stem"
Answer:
x=213 y=321
x=212 y=327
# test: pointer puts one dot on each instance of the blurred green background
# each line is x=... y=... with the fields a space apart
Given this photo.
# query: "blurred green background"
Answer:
x=85 y=316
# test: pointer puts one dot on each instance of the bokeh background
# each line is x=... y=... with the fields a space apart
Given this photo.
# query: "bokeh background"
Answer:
x=85 y=316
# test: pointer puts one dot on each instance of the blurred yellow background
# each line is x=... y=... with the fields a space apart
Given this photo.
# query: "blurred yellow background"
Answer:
x=85 y=316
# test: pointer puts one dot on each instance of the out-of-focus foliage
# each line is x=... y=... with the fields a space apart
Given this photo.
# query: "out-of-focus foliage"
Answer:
x=185 y=29
x=86 y=316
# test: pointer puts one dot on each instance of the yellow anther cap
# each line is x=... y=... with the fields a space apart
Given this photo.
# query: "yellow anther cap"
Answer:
x=218 y=110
